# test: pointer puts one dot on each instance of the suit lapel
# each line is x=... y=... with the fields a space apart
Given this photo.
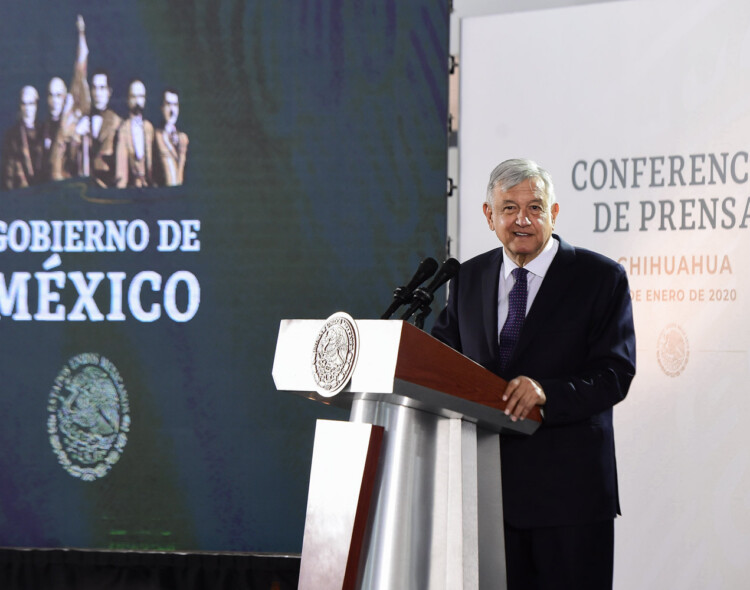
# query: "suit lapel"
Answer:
x=28 y=165
x=129 y=145
x=148 y=134
x=490 y=281
x=556 y=281
x=107 y=130
x=165 y=144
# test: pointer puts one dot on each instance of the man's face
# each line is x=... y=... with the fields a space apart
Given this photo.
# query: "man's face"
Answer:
x=56 y=97
x=29 y=100
x=100 y=91
x=137 y=98
x=171 y=107
x=521 y=220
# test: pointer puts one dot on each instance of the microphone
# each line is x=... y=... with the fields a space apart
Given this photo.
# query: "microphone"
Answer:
x=422 y=297
x=403 y=295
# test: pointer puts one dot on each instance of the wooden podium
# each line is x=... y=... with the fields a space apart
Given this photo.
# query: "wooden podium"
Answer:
x=407 y=494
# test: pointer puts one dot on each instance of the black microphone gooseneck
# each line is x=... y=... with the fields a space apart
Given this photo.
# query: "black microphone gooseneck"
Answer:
x=422 y=297
x=402 y=295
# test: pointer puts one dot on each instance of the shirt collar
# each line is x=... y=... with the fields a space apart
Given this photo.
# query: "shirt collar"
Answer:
x=539 y=265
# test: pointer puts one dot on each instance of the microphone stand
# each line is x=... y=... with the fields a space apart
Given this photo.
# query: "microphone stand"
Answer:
x=422 y=297
x=403 y=295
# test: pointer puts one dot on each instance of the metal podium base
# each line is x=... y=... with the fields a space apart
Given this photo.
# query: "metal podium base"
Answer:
x=437 y=520
x=429 y=503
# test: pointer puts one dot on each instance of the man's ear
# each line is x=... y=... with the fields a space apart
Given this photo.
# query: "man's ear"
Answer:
x=488 y=214
x=555 y=211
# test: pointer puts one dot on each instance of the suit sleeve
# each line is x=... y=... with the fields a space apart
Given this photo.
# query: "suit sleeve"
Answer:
x=602 y=378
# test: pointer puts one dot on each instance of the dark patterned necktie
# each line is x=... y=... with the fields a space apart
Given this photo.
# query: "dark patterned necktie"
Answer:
x=516 y=315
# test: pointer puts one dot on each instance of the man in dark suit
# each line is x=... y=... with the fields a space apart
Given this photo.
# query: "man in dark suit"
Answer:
x=561 y=332
x=86 y=143
x=103 y=129
x=134 y=142
x=170 y=144
x=23 y=145
x=56 y=93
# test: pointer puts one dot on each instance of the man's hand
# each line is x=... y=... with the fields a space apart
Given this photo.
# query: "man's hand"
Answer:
x=521 y=395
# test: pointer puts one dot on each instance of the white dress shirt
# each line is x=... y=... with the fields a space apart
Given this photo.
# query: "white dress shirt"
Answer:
x=537 y=269
x=139 y=137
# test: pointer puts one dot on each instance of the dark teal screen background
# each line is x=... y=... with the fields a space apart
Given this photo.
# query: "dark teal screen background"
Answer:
x=317 y=168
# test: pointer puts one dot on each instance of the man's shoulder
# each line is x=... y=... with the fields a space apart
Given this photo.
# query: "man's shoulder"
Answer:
x=160 y=135
x=593 y=258
x=480 y=261
x=110 y=117
x=590 y=262
x=128 y=122
x=15 y=136
x=13 y=132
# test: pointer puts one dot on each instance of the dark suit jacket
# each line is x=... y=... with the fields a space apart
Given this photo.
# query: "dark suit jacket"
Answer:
x=102 y=159
x=169 y=161
x=21 y=157
x=578 y=342
x=129 y=171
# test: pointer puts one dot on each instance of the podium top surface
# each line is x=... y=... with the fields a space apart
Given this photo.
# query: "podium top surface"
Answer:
x=399 y=363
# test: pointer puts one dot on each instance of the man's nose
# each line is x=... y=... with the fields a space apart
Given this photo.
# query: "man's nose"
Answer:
x=522 y=219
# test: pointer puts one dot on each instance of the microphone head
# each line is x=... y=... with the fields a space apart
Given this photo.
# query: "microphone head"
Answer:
x=403 y=295
x=422 y=296
x=425 y=270
x=446 y=273
x=451 y=267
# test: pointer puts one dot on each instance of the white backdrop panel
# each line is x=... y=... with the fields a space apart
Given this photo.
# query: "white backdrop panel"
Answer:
x=658 y=92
